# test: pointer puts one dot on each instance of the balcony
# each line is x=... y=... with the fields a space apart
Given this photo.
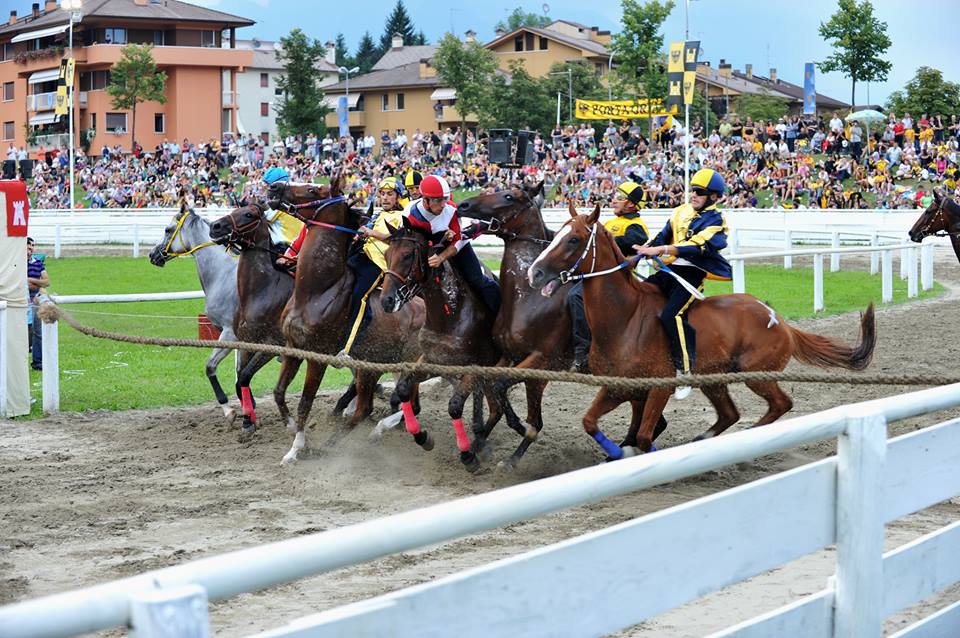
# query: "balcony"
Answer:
x=48 y=101
x=229 y=99
x=450 y=114
x=357 y=119
x=53 y=140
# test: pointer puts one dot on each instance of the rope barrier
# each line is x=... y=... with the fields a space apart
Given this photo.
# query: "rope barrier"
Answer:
x=50 y=313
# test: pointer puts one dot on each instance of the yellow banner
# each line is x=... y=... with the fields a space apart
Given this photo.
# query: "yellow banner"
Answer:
x=618 y=109
x=691 y=50
x=70 y=65
x=675 y=63
x=60 y=99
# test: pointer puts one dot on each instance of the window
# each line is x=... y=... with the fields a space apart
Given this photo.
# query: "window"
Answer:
x=518 y=43
x=543 y=43
x=529 y=37
x=208 y=38
x=264 y=80
x=158 y=123
x=265 y=137
x=115 y=36
x=385 y=102
x=93 y=121
x=264 y=109
x=400 y=101
x=598 y=67
x=158 y=38
x=278 y=92
x=117 y=121
x=7 y=91
x=7 y=52
x=8 y=130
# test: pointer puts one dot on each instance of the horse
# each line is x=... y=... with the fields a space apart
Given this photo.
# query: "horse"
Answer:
x=532 y=331
x=315 y=318
x=941 y=218
x=189 y=234
x=735 y=333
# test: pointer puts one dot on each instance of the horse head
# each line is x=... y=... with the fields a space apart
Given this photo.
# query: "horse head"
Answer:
x=566 y=253
x=940 y=216
x=175 y=243
x=241 y=227
x=314 y=202
x=407 y=266
x=505 y=210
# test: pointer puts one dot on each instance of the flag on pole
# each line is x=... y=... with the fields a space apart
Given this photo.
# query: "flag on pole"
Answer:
x=809 y=90
x=60 y=100
x=691 y=50
x=675 y=77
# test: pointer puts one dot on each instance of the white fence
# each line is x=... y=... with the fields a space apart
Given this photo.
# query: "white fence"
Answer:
x=616 y=577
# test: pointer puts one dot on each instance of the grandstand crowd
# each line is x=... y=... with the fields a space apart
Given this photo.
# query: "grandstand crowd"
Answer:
x=788 y=163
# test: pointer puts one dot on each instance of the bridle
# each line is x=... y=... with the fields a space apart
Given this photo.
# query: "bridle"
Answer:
x=571 y=274
x=497 y=226
x=239 y=235
x=176 y=231
x=409 y=286
x=925 y=229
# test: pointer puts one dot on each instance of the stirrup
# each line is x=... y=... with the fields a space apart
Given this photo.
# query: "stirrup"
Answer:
x=681 y=392
x=344 y=355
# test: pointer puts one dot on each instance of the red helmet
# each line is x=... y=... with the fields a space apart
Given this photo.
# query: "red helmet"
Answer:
x=434 y=186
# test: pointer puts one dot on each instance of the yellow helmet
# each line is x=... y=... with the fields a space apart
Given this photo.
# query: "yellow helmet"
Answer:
x=633 y=192
x=412 y=178
x=709 y=179
x=391 y=184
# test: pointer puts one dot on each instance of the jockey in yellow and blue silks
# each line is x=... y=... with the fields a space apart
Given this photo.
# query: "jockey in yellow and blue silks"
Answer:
x=370 y=263
x=284 y=228
x=411 y=182
x=690 y=242
x=628 y=229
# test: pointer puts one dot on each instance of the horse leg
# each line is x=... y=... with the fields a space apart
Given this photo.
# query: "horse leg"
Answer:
x=218 y=355
x=455 y=409
x=408 y=391
x=652 y=411
x=778 y=401
x=530 y=429
x=349 y=395
x=602 y=404
x=310 y=386
x=288 y=370
x=534 y=418
x=366 y=386
x=250 y=368
x=727 y=413
x=636 y=406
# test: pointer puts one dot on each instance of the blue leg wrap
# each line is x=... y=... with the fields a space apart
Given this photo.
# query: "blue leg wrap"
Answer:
x=612 y=449
x=653 y=448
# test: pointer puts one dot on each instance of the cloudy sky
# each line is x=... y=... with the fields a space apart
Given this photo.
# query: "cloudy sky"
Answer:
x=764 y=33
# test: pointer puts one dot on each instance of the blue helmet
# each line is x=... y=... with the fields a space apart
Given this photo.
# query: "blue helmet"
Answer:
x=710 y=180
x=275 y=174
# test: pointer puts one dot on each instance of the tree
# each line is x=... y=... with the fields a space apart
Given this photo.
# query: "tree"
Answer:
x=637 y=49
x=133 y=79
x=927 y=93
x=367 y=53
x=859 y=39
x=586 y=86
x=760 y=106
x=468 y=68
x=301 y=109
x=522 y=104
x=343 y=54
x=520 y=18
x=398 y=22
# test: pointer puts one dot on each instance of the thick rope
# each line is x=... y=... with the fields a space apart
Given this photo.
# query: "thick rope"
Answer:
x=50 y=313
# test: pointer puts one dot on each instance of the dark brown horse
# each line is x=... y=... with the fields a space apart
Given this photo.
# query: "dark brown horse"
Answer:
x=735 y=333
x=941 y=218
x=456 y=332
x=316 y=316
x=532 y=331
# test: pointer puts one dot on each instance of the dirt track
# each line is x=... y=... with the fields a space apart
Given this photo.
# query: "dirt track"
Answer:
x=97 y=496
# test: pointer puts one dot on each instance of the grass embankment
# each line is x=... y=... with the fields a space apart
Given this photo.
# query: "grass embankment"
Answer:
x=105 y=374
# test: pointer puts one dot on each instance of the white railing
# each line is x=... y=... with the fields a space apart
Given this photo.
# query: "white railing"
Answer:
x=656 y=562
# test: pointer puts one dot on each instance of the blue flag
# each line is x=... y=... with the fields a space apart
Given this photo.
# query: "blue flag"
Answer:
x=343 y=116
x=809 y=92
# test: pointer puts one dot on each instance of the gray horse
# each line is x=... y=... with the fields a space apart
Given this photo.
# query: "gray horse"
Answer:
x=189 y=234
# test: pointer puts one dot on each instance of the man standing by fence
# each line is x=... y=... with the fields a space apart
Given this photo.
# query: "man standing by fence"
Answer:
x=37 y=279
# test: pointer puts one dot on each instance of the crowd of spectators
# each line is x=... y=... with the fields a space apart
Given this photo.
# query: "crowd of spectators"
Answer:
x=788 y=163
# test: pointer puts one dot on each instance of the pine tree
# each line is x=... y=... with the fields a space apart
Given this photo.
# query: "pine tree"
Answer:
x=301 y=109
x=343 y=54
x=367 y=53
x=398 y=22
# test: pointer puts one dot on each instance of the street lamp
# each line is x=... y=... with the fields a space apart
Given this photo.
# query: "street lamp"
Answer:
x=610 y=77
x=348 y=72
x=74 y=8
x=569 y=74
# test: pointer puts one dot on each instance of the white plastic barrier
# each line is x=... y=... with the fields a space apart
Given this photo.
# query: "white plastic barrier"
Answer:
x=578 y=587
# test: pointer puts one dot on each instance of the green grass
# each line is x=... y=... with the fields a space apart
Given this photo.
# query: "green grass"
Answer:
x=100 y=374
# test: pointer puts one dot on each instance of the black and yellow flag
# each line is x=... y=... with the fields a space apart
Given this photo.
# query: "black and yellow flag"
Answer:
x=691 y=50
x=60 y=101
x=675 y=77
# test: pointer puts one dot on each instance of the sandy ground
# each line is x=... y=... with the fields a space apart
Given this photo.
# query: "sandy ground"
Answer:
x=92 y=497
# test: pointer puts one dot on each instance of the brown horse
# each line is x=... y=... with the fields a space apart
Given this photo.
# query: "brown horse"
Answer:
x=532 y=331
x=456 y=332
x=735 y=333
x=315 y=318
x=941 y=218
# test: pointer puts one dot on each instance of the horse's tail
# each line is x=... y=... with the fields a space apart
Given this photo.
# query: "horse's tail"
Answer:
x=823 y=352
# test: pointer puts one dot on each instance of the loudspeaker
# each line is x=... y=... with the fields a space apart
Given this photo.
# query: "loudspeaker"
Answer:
x=9 y=169
x=525 y=154
x=499 y=146
x=26 y=169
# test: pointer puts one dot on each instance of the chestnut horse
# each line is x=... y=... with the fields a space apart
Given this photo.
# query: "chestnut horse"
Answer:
x=315 y=318
x=456 y=332
x=941 y=218
x=735 y=333
x=532 y=331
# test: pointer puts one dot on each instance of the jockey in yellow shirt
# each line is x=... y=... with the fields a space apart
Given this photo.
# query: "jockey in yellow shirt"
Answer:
x=284 y=228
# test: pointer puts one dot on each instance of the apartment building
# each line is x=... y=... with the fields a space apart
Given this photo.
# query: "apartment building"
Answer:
x=194 y=45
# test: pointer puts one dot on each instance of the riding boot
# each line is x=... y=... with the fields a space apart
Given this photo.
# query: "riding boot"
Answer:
x=580 y=328
x=367 y=277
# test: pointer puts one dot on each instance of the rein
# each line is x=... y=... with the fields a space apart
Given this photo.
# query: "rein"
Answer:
x=318 y=205
x=409 y=288
x=570 y=274
x=176 y=231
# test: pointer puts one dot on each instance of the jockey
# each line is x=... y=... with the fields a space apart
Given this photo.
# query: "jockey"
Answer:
x=369 y=264
x=284 y=228
x=691 y=242
x=412 y=183
x=436 y=214
x=628 y=230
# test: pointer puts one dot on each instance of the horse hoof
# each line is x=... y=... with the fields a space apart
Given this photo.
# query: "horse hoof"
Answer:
x=470 y=461
x=507 y=465
x=424 y=440
x=629 y=451
x=229 y=414
x=246 y=434
x=482 y=449
x=289 y=459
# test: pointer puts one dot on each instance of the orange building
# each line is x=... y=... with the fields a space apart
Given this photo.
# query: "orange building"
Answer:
x=193 y=45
